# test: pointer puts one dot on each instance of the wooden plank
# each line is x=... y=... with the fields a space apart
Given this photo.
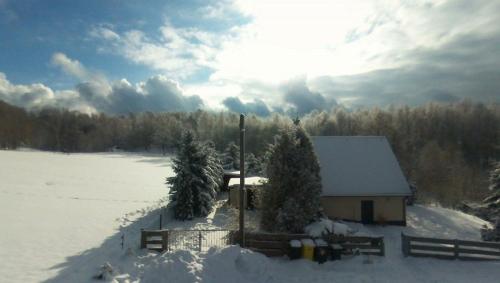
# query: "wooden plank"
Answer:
x=440 y=256
x=432 y=248
x=430 y=240
x=154 y=247
x=275 y=237
x=355 y=239
x=479 y=244
x=149 y=234
x=477 y=258
x=478 y=252
x=155 y=242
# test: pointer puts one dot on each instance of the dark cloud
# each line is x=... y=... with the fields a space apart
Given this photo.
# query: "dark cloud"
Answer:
x=466 y=67
x=257 y=107
x=303 y=100
x=157 y=94
x=442 y=96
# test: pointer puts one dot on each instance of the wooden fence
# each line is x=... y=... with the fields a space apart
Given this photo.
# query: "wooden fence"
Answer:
x=270 y=244
x=273 y=245
x=449 y=248
x=156 y=240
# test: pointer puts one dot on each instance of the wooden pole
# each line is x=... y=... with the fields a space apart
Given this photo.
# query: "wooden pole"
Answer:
x=242 y=180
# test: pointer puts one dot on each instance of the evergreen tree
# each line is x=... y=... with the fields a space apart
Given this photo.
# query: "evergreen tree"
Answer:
x=495 y=178
x=198 y=177
x=211 y=177
x=185 y=168
x=492 y=202
x=253 y=165
x=292 y=197
x=232 y=156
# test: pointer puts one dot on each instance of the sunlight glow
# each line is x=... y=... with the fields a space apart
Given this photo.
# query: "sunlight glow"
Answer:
x=295 y=38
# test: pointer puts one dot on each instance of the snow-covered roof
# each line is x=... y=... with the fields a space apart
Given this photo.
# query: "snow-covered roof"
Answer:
x=359 y=166
x=250 y=181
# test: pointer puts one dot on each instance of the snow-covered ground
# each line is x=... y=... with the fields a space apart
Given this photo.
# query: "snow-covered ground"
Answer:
x=63 y=216
x=233 y=264
x=56 y=208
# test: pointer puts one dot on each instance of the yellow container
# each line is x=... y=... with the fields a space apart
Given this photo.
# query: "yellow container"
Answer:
x=308 y=249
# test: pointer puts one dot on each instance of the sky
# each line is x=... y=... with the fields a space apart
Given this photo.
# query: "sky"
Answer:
x=121 y=56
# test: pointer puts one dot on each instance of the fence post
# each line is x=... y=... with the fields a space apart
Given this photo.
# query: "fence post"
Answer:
x=455 y=248
x=382 y=247
x=199 y=239
x=405 y=244
x=143 y=239
x=164 y=240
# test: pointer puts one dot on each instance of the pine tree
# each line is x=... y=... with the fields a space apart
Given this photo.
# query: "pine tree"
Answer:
x=211 y=177
x=232 y=156
x=495 y=178
x=182 y=183
x=292 y=197
x=253 y=165
x=198 y=178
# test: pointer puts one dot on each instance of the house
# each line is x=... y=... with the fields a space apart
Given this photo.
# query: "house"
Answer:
x=361 y=179
x=253 y=187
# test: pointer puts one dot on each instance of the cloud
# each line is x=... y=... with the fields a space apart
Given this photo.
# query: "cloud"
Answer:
x=370 y=52
x=463 y=68
x=38 y=95
x=95 y=94
x=75 y=69
x=358 y=53
x=303 y=100
x=157 y=94
x=104 y=33
x=257 y=107
x=178 y=52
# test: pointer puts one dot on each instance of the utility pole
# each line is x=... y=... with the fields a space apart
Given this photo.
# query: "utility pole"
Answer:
x=242 y=180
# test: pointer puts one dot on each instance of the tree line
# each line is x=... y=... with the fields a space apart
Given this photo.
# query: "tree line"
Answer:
x=445 y=149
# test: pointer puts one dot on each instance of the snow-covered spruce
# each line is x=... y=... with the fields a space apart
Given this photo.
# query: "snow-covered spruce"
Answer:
x=292 y=197
x=197 y=180
x=232 y=157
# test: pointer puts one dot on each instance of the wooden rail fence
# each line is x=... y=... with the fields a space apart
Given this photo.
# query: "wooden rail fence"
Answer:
x=449 y=248
x=156 y=240
x=273 y=245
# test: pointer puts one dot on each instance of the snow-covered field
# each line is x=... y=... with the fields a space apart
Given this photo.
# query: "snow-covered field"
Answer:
x=56 y=207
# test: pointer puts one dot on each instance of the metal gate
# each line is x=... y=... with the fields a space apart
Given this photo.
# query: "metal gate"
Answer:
x=195 y=240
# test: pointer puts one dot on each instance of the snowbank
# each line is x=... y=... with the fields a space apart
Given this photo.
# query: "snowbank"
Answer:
x=233 y=264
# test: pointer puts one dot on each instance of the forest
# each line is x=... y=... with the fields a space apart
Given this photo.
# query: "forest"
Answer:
x=446 y=150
